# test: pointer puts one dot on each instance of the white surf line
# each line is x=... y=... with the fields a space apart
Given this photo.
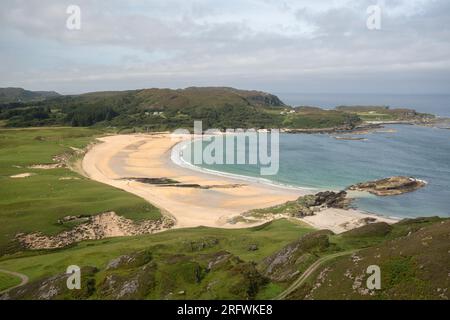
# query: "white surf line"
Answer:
x=177 y=159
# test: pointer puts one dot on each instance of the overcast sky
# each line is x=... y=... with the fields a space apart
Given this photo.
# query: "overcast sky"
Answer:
x=277 y=46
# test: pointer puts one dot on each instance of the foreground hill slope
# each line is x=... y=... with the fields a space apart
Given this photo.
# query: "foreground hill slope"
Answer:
x=414 y=264
x=204 y=263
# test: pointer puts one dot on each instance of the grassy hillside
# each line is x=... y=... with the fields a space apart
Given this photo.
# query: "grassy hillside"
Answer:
x=382 y=113
x=8 y=95
x=305 y=118
x=155 y=109
x=255 y=263
x=8 y=281
x=35 y=203
x=412 y=255
x=164 y=109
x=203 y=262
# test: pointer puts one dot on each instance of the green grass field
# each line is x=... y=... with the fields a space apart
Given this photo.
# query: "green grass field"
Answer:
x=179 y=258
x=8 y=281
x=376 y=116
x=319 y=119
x=269 y=238
x=178 y=255
x=35 y=203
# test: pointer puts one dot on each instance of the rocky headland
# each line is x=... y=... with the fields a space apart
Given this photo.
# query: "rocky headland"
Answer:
x=390 y=186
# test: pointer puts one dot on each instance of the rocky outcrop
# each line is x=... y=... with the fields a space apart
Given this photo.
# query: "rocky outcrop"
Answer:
x=167 y=182
x=332 y=199
x=285 y=263
x=135 y=284
x=221 y=259
x=304 y=206
x=390 y=186
x=155 y=181
x=371 y=229
x=136 y=259
x=55 y=288
x=201 y=244
x=101 y=226
x=310 y=204
x=178 y=275
x=413 y=258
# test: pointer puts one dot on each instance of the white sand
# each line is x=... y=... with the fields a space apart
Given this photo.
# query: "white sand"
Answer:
x=339 y=220
x=148 y=156
x=22 y=175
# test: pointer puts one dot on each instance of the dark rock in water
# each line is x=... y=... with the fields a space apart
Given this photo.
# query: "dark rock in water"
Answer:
x=390 y=186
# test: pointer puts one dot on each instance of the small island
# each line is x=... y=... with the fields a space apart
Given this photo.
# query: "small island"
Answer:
x=389 y=186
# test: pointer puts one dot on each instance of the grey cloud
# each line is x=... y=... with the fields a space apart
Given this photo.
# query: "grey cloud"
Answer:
x=239 y=43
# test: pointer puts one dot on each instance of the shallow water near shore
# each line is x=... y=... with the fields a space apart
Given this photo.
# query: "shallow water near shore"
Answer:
x=323 y=162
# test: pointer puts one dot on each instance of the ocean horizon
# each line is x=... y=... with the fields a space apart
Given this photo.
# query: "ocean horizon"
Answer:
x=437 y=104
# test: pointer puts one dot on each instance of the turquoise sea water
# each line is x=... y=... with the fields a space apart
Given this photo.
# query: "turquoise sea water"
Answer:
x=323 y=162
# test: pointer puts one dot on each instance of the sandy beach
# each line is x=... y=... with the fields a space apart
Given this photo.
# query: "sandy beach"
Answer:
x=149 y=156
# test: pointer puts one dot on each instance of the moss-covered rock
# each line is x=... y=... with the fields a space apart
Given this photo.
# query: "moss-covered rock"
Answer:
x=55 y=288
x=132 y=260
x=285 y=263
x=134 y=284
x=413 y=266
x=377 y=229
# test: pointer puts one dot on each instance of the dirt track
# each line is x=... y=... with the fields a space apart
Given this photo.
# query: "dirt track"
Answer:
x=23 y=277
